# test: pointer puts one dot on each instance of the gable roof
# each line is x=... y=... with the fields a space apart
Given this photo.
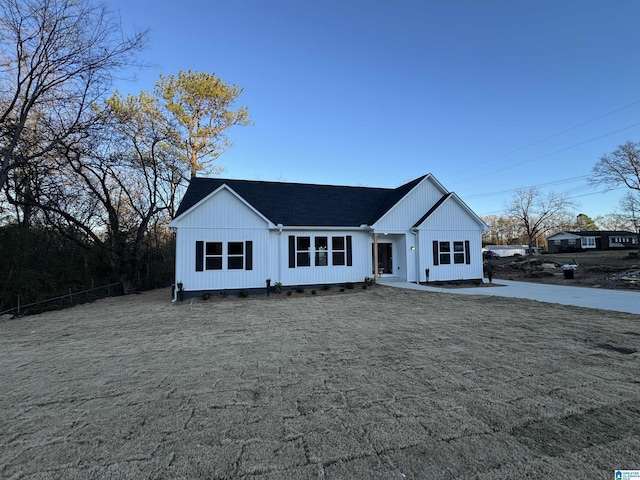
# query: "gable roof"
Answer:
x=299 y=204
x=443 y=199
x=591 y=233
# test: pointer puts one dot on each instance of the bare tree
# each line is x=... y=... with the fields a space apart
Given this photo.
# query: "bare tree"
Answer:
x=104 y=202
x=536 y=213
x=502 y=230
x=630 y=209
x=613 y=221
x=619 y=168
x=57 y=57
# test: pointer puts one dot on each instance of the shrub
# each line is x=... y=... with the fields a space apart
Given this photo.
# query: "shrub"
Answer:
x=342 y=289
x=300 y=289
x=313 y=292
x=223 y=294
x=368 y=281
x=289 y=293
x=243 y=293
x=349 y=285
x=277 y=287
x=206 y=296
x=326 y=287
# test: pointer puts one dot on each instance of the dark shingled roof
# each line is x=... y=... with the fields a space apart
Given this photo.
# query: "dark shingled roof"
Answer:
x=596 y=233
x=299 y=204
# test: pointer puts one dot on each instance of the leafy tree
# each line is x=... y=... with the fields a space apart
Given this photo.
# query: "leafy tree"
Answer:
x=586 y=223
x=619 y=168
x=202 y=106
x=57 y=59
x=537 y=214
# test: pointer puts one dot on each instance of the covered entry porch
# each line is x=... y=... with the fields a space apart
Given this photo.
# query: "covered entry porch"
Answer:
x=389 y=255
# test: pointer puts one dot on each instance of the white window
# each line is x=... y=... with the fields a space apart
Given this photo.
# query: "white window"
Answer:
x=322 y=248
x=458 y=252
x=303 y=251
x=445 y=253
x=338 y=250
x=235 y=255
x=213 y=256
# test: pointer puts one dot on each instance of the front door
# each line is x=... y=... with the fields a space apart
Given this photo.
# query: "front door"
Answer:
x=385 y=259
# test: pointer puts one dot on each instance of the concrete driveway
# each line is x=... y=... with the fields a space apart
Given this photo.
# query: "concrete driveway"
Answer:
x=605 y=299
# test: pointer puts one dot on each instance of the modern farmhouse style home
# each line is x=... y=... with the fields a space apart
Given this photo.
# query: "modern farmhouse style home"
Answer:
x=236 y=234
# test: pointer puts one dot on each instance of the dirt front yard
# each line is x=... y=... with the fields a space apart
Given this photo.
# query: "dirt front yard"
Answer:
x=618 y=270
x=377 y=383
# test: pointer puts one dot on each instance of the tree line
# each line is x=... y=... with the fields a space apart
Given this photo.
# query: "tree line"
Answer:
x=89 y=177
x=530 y=216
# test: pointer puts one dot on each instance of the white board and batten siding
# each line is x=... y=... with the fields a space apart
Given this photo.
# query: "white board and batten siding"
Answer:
x=235 y=221
x=450 y=222
x=241 y=224
x=327 y=274
x=404 y=214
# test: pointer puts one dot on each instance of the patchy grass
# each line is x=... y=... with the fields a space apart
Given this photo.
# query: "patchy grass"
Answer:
x=376 y=383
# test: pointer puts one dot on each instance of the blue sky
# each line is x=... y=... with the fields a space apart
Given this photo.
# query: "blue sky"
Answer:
x=488 y=96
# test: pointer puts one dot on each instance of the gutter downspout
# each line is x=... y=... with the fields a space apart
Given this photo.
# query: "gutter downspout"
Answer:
x=375 y=257
x=417 y=252
x=279 y=226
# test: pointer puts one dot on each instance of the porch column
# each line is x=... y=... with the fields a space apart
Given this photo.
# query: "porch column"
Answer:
x=375 y=256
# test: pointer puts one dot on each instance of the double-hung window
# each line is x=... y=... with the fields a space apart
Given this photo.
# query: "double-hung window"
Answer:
x=303 y=251
x=442 y=252
x=235 y=256
x=322 y=251
x=337 y=251
x=458 y=252
x=211 y=255
x=445 y=253
x=325 y=251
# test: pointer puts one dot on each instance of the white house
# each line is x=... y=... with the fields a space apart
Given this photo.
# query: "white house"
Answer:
x=236 y=234
x=510 y=250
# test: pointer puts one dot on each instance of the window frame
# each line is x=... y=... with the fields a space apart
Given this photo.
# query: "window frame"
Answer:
x=302 y=253
x=444 y=254
x=210 y=258
x=338 y=253
x=321 y=253
x=458 y=255
x=232 y=258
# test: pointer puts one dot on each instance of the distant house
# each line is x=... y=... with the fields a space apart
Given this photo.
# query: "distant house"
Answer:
x=236 y=234
x=592 y=240
x=510 y=250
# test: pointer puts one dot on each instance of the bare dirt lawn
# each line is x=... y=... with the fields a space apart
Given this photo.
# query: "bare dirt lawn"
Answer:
x=377 y=383
x=610 y=269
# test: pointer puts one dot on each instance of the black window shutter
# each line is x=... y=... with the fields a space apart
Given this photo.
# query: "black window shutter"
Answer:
x=435 y=253
x=199 y=256
x=349 y=252
x=467 y=252
x=248 y=262
x=292 y=251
